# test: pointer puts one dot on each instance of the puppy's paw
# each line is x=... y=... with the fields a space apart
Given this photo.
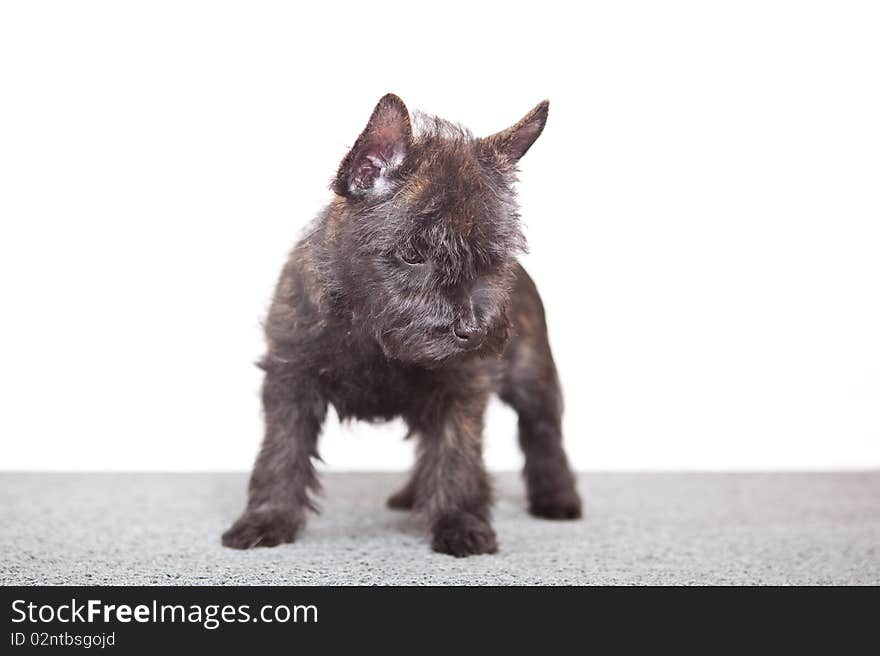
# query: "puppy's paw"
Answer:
x=264 y=527
x=464 y=535
x=403 y=499
x=558 y=504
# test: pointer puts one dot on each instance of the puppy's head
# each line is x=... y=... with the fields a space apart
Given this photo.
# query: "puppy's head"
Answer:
x=426 y=232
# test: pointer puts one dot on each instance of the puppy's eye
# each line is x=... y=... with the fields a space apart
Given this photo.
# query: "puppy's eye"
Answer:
x=411 y=257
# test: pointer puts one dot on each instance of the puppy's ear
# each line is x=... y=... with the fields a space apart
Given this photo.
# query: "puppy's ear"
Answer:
x=378 y=152
x=513 y=142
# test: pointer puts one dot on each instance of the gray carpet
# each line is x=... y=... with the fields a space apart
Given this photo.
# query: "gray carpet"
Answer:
x=160 y=529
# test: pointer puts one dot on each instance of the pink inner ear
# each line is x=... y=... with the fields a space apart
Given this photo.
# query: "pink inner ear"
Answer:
x=378 y=151
x=389 y=135
x=381 y=153
x=391 y=129
x=364 y=175
x=376 y=158
x=385 y=148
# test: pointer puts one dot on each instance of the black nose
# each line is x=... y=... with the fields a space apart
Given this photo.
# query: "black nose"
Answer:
x=467 y=335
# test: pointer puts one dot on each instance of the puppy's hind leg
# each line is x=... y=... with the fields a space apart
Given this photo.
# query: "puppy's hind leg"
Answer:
x=531 y=387
x=404 y=498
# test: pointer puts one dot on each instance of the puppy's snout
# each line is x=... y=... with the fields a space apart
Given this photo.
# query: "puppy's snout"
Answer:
x=468 y=335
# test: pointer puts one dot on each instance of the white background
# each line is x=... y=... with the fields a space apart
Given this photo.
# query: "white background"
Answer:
x=703 y=211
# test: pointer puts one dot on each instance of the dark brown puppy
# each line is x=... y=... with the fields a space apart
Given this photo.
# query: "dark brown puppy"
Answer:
x=405 y=298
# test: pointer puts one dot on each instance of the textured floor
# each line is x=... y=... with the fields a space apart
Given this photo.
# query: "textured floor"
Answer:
x=640 y=528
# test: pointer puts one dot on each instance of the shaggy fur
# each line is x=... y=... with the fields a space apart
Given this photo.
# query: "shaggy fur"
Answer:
x=405 y=298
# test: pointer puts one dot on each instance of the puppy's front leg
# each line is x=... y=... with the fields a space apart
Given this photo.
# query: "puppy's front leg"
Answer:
x=283 y=476
x=452 y=486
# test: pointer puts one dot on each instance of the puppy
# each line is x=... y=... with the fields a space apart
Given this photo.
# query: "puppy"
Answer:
x=405 y=299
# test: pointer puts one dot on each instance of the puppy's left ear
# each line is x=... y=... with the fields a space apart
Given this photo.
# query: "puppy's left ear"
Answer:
x=517 y=139
x=378 y=152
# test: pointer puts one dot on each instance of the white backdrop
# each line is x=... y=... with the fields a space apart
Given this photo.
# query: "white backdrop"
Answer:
x=703 y=211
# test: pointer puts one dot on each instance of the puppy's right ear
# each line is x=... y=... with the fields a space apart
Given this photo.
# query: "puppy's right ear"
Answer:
x=377 y=153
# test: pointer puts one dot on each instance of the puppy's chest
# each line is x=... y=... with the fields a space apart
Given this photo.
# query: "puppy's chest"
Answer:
x=368 y=388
